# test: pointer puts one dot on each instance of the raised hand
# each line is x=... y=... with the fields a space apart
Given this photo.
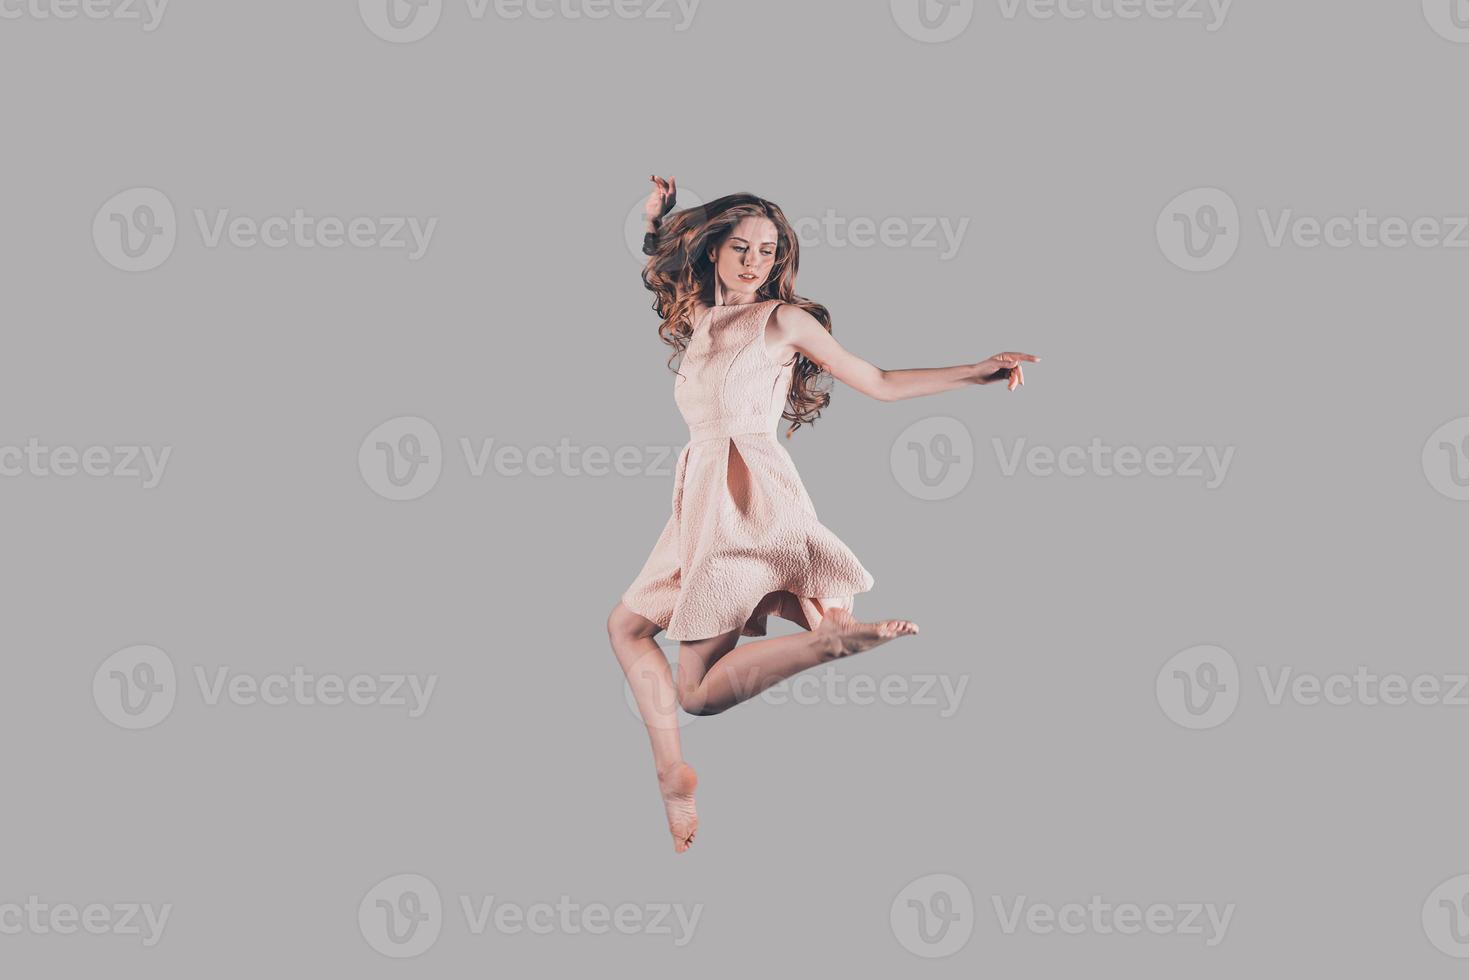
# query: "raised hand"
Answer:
x=660 y=201
x=1004 y=366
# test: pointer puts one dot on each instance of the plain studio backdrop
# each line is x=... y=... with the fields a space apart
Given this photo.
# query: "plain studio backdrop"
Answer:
x=1052 y=148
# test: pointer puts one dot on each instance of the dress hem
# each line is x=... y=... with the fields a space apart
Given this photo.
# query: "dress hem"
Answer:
x=746 y=626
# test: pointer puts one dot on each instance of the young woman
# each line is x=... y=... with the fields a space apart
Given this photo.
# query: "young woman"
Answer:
x=743 y=542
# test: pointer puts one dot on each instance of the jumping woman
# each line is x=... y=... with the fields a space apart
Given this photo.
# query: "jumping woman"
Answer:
x=743 y=542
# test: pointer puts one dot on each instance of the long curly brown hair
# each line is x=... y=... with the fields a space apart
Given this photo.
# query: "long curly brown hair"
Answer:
x=680 y=272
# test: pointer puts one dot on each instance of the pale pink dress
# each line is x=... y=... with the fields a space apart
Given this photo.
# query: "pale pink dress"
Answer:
x=743 y=542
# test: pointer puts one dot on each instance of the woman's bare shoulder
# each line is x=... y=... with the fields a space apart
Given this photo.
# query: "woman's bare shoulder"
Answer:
x=792 y=319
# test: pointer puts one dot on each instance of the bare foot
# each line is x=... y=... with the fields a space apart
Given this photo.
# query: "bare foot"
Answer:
x=846 y=636
x=677 y=783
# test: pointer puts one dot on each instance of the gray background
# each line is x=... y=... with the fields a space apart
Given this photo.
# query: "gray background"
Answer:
x=1060 y=598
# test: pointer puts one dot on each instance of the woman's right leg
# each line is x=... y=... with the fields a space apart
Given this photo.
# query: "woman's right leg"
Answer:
x=651 y=681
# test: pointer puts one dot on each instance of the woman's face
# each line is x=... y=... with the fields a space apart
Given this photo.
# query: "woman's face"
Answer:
x=744 y=261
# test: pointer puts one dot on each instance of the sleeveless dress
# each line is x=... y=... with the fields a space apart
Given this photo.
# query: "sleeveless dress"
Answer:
x=743 y=542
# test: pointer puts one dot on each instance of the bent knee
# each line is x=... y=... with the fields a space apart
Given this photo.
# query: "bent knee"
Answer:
x=624 y=624
x=697 y=706
x=695 y=703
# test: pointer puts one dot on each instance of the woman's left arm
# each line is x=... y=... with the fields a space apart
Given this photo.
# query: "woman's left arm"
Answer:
x=806 y=334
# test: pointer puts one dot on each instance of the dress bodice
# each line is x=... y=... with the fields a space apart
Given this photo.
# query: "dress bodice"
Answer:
x=728 y=384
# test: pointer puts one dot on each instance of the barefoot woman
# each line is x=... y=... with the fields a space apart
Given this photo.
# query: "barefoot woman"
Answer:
x=743 y=542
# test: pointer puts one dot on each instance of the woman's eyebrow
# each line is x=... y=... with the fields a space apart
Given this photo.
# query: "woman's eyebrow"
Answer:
x=737 y=238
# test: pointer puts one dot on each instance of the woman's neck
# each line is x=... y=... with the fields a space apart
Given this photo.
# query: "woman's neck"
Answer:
x=729 y=300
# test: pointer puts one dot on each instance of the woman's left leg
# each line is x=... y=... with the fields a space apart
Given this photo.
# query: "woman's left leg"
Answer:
x=714 y=676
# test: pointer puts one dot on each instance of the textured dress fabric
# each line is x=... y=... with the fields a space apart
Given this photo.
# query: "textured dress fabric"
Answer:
x=743 y=542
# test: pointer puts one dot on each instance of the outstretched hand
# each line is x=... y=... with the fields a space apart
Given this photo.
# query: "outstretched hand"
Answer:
x=662 y=198
x=1004 y=366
